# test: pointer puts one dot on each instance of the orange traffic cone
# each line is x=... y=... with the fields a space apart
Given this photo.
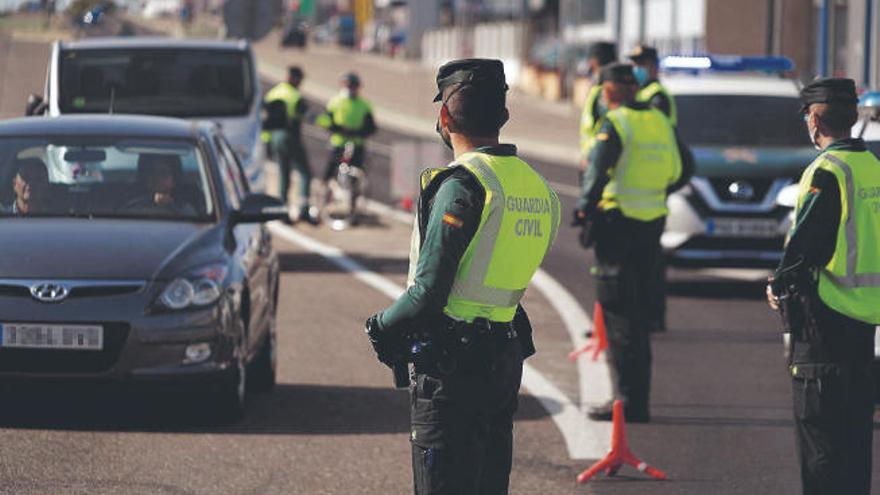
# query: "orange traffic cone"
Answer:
x=619 y=453
x=599 y=339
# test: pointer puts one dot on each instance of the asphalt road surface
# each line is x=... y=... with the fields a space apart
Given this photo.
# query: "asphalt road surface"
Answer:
x=720 y=400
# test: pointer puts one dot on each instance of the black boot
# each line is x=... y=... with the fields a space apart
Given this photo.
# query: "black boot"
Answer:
x=605 y=412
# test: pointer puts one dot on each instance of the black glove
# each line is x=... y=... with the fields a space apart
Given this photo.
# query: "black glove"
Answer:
x=382 y=343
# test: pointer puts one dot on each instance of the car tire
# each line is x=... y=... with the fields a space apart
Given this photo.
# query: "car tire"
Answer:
x=231 y=391
x=262 y=375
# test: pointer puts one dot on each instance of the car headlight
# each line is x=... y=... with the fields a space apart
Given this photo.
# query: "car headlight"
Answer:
x=198 y=288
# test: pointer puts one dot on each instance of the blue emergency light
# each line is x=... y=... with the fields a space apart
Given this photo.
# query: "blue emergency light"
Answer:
x=726 y=63
x=871 y=99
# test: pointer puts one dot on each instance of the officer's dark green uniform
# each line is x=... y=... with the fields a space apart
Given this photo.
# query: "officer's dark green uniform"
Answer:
x=636 y=160
x=834 y=255
x=485 y=223
x=286 y=143
x=653 y=93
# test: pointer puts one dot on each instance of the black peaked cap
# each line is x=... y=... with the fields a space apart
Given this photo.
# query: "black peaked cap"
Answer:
x=487 y=74
x=830 y=90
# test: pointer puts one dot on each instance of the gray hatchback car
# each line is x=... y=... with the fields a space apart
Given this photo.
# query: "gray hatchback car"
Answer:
x=134 y=251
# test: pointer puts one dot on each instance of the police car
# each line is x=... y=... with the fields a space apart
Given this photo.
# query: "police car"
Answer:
x=739 y=116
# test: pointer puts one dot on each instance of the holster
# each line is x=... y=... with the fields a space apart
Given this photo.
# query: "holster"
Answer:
x=797 y=291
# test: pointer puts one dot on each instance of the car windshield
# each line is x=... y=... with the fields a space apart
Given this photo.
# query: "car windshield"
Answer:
x=100 y=177
x=740 y=120
x=177 y=83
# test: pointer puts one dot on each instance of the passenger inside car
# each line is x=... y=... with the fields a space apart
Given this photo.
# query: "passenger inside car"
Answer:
x=158 y=178
x=30 y=185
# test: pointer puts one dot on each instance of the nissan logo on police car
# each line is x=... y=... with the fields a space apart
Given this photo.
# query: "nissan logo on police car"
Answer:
x=741 y=190
x=49 y=292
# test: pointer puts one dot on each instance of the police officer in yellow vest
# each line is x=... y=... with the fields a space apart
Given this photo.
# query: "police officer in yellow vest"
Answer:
x=828 y=287
x=636 y=161
x=646 y=66
x=285 y=108
x=600 y=54
x=349 y=118
x=485 y=223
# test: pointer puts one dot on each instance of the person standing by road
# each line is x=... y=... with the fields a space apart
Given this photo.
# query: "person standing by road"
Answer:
x=828 y=290
x=349 y=118
x=484 y=225
x=646 y=69
x=286 y=108
x=636 y=161
x=601 y=53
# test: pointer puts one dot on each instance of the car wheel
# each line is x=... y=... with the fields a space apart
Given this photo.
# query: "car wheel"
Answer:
x=265 y=365
x=232 y=391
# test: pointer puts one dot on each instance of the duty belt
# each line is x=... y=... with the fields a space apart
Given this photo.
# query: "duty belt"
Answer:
x=481 y=328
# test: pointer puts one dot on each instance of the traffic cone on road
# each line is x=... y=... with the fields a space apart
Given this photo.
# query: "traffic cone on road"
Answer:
x=598 y=340
x=619 y=453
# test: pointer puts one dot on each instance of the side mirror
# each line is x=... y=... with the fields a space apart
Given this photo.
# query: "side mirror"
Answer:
x=788 y=196
x=259 y=208
x=35 y=105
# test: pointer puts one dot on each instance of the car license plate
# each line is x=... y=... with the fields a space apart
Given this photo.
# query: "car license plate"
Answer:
x=743 y=227
x=51 y=336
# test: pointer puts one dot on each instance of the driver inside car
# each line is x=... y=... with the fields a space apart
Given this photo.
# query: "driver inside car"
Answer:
x=29 y=185
x=158 y=178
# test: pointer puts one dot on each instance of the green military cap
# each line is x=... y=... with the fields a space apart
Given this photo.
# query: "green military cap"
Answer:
x=617 y=72
x=483 y=72
x=643 y=52
x=830 y=90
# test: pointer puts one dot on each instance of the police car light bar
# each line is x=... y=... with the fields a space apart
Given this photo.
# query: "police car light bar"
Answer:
x=870 y=99
x=726 y=63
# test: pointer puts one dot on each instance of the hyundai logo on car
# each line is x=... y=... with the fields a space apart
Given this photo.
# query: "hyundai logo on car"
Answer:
x=49 y=292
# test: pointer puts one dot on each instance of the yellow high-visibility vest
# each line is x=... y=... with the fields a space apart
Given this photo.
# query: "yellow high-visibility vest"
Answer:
x=589 y=125
x=850 y=282
x=650 y=91
x=520 y=220
x=348 y=113
x=649 y=164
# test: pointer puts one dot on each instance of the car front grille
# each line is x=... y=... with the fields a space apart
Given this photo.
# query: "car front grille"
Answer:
x=67 y=361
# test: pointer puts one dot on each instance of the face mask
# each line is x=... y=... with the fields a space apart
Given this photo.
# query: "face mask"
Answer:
x=347 y=92
x=443 y=137
x=641 y=74
x=814 y=135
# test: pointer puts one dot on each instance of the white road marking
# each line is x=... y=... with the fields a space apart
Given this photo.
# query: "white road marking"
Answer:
x=584 y=438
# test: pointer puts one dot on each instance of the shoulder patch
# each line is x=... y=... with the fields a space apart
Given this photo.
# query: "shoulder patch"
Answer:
x=452 y=220
x=602 y=136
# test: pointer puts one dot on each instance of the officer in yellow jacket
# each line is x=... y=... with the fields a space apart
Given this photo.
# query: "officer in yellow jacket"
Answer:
x=285 y=109
x=601 y=53
x=485 y=223
x=636 y=161
x=651 y=91
x=646 y=68
x=349 y=118
x=828 y=287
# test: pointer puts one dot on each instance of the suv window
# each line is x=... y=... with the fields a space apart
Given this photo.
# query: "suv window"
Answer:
x=171 y=82
x=740 y=120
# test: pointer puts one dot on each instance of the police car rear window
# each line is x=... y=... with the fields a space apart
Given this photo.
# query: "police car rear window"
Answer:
x=740 y=120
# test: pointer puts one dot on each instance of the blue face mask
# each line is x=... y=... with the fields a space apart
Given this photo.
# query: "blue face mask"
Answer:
x=641 y=74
